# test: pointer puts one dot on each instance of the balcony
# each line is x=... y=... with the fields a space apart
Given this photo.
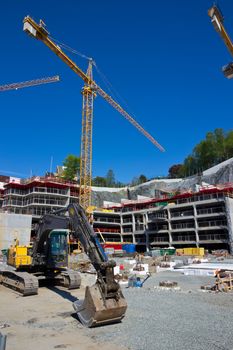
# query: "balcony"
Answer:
x=211 y=224
x=181 y=214
x=141 y=240
x=107 y=220
x=159 y=241
x=157 y=228
x=157 y=217
x=139 y=227
x=184 y=238
x=106 y=230
x=127 y=220
x=127 y=230
x=190 y=225
x=214 y=238
x=211 y=211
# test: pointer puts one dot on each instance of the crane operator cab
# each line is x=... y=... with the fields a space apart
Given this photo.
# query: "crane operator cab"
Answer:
x=57 y=249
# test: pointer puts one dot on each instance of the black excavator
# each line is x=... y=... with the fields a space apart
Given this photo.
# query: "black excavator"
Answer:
x=104 y=302
x=45 y=259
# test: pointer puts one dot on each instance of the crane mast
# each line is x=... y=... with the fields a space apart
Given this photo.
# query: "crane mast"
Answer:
x=86 y=142
x=217 y=21
x=39 y=32
x=14 y=86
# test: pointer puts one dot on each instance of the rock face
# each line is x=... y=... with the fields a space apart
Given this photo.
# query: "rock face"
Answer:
x=219 y=174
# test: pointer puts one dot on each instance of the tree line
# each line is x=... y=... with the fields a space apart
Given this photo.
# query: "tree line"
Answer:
x=215 y=148
x=72 y=170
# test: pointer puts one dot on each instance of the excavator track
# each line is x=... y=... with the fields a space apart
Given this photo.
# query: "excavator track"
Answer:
x=70 y=279
x=22 y=282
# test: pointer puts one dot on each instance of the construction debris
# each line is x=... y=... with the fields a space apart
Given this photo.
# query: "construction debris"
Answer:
x=224 y=281
x=168 y=284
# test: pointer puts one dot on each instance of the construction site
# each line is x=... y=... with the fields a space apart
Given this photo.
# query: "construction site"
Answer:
x=130 y=267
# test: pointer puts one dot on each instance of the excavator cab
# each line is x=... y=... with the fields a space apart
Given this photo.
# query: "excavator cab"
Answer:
x=57 y=250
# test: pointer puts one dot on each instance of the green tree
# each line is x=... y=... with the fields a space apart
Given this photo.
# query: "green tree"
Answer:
x=135 y=181
x=72 y=167
x=110 y=178
x=229 y=145
x=217 y=147
x=175 y=171
x=220 y=138
x=99 y=181
x=142 y=178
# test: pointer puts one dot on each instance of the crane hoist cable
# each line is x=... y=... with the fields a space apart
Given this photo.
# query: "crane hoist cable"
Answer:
x=68 y=48
x=105 y=80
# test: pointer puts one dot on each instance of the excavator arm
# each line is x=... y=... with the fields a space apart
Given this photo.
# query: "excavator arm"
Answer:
x=104 y=302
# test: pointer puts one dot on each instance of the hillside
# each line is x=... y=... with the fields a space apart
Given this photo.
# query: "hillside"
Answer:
x=219 y=174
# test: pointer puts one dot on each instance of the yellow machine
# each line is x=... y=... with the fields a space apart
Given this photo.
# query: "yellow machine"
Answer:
x=19 y=256
x=191 y=251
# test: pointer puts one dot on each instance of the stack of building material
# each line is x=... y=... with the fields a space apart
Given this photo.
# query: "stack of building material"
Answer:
x=224 y=281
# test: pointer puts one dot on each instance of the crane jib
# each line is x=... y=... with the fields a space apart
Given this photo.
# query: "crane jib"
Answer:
x=39 y=32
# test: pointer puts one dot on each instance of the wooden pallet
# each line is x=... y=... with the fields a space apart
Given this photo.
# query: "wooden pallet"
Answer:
x=224 y=281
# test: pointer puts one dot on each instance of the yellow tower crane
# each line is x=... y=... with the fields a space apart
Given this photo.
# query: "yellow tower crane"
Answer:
x=16 y=86
x=89 y=91
x=217 y=20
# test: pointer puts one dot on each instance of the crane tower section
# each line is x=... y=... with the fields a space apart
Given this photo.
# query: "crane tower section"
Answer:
x=86 y=142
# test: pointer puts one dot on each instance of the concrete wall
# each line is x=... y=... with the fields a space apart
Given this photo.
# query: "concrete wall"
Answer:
x=14 y=226
x=229 y=212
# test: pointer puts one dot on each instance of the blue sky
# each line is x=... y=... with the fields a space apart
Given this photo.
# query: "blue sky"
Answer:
x=164 y=58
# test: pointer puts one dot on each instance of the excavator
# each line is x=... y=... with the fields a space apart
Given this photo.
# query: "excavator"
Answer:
x=45 y=259
x=104 y=302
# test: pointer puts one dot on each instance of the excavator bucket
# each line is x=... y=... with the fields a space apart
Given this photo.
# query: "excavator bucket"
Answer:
x=95 y=311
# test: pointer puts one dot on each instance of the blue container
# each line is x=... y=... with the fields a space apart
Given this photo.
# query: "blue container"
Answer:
x=129 y=248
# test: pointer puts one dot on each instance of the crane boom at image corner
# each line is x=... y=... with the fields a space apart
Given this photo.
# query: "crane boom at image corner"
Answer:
x=217 y=20
x=89 y=91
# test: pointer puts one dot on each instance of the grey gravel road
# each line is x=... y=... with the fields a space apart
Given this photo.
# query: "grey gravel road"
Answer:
x=182 y=320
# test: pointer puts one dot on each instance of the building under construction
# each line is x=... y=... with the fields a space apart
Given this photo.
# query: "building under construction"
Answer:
x=202 y=219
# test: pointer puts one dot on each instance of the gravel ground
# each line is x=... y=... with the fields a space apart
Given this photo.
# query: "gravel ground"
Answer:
x=165 y=319
x=155 y=319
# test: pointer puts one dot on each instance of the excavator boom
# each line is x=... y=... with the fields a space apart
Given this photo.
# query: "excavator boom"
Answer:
x=104 y=302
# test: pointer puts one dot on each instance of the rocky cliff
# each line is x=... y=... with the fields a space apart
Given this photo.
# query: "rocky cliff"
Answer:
x=220 y=174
